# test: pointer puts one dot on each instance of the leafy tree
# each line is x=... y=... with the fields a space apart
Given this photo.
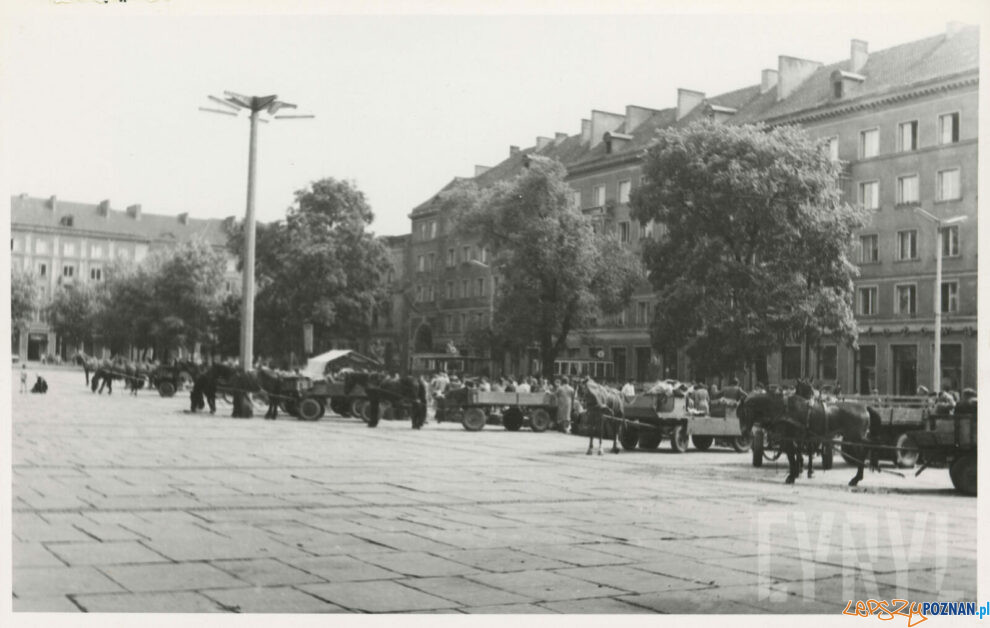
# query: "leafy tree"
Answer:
x=124 y=309
x=72 y=312
x=557 y=275
x=753 y=245
x=23 y=297
x=320 y=266
x=187 y=288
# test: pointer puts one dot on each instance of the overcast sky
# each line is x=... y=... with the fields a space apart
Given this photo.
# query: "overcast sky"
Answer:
x=101 y=102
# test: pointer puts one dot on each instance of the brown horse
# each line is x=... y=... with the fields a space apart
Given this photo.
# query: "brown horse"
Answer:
x=601 y=402
x=802 y=419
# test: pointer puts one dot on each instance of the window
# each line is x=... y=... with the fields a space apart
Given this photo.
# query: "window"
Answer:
x=947 y=185
x=464 y=289
x=624 y=231
x=907 y=189
x=68 y=270
x=419 y=294
x=869 y=143
x=450 y=258
x=907 y=245
x=450 y=289
x=69 y=249
x=624 y=188
x=837 y=89
x=906 y=302
x=948 y=128
x=828 y=362
x=599 y=196
x=907 y=136
x=575 y=200
x=950 y=241
x=951 y=366
x=833 y=148
x=868 y=301
x=866 y=360
x=42 y=270
x=463 y=321
x=430 y=262
x=950 y=297
x=484 y=255
x=869 y=249
x=16 y=245
x=642 y=313
x=96 y=274
x=40 y=246
x=465 y=253
x=96 y=251
x=433 y=229
x=790 y=362
x=450 y=323
x=480 y=286
x=420 y=263
x=869 y=194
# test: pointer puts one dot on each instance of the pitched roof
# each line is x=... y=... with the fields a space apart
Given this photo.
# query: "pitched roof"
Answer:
x=37 y=212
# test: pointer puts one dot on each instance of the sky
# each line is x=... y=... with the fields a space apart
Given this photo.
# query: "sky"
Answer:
x=101 y=101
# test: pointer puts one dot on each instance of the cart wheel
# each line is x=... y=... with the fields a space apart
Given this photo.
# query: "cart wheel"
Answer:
x=166 y=389
x=539 y=420
x=340 y=406
x=743 y=443
x=828 y=455
x=906 y=455
x=650 y=439
x=759 y=440
x=358 y=408
x=628 y=436
x=512 y=420
x=679 y=439
x=310 y=409
x=963 y=473
x=702 y=443
x=474 y=419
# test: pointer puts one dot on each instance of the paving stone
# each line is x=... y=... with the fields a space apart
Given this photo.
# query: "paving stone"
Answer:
x=265 y=572
x=58 y=604
x=509 y=609
x=463 y=591
x=544 y=585
x=376 y=597
x=690 y=602
x=113 y=553
x=170 y=602
x=596 y=606
x=579 y=555
x=627 y=578
x=404 y=541
x=417 y=564
x=703 y=573
x=171 y=577
x=34 y=555
x=50 y=532
x=342 y=569
x=55 y=581
x=500 y=560
x=271 y=600
x=778 y=568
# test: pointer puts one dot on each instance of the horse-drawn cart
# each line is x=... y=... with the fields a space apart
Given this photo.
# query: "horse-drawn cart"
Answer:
x=948 y=441
x=651 y=418
x=475 y=408
x=899 y=415
x=171 y=378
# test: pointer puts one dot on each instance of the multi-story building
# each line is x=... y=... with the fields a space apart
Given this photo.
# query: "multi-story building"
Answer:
x=63 y=242
x=904 y=122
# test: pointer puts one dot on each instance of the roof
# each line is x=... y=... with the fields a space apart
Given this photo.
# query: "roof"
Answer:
x=26 y=211
x=316 y=366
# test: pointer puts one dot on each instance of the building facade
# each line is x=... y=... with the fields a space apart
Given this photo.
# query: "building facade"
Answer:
x=904 y=123
x=63 y=242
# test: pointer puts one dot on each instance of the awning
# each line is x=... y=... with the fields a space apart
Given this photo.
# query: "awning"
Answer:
x=316 y=366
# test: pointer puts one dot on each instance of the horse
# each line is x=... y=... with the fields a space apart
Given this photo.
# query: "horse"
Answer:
x=106 y=372
x=88 y=362
x=600 y=400
x=399 y=391
x=801 y=418
x=206 y=382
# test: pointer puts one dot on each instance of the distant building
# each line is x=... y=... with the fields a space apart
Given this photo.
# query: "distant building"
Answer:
x=902 y=120
x=63 y=242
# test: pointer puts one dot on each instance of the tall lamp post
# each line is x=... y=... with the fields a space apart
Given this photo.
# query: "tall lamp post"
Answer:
x=940 y=226
x=255 y=106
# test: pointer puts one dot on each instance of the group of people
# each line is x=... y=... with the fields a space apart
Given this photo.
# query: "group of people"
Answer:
x=40 y=385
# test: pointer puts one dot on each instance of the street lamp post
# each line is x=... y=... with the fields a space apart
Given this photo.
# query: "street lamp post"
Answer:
x=256 y=105
x=940 y=225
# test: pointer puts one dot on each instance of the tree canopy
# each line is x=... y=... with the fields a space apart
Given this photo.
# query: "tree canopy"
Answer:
x=320 y=265
x=556 y=274
x=23 y=296
x=752 y=249
x=72 y=312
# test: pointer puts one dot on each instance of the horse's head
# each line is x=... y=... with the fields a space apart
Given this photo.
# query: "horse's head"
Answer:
x=804 y=389
x=762 y=408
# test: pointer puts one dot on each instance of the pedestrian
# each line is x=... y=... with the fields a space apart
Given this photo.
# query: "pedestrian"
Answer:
x=628 y=391
x=24 y=378
x=700 y=398
x=733 y=392
x=565 y=398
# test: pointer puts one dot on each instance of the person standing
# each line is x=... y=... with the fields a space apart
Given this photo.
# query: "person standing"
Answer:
x=24 y=378
x=565 y=396
x=628 y=391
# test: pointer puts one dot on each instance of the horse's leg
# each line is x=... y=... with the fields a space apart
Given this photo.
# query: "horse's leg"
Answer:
x=591 y=442
x=373 y=420
x=615 y=438
x=859 y=466
x=792 y=464
x=811 y=457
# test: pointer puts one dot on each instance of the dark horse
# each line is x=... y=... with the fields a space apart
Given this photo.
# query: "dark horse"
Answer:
x=209 y=379
x=601 y=402
x=106 y=372
x=801 y=419
x=399 y=391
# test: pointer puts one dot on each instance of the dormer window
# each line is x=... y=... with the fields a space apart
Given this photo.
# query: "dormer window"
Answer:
x=66 y=221
x=844 y=83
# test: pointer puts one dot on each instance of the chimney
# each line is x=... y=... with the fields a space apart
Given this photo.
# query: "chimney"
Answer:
x=768 y=80
x=480 y=170
x=542 y=142
x=184 y=218
x=103 y=209
x=952 y=29
x=687 y=100
x=134 y=211
x=52 y=202
x=602 y=122
x=636 y=116
x=513 y=151
x=585 y=131
x=858 y=55
x=558 y=138
x=791 y=73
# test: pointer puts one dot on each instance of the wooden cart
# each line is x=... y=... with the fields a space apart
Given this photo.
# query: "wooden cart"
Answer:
x=474 y=409
x=653 y=418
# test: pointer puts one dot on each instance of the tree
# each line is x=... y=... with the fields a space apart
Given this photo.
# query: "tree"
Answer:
x=72 y=313
x=320 y=266
x=23 y=297
x=124 y=309
x=557 y=275
x=753 y=246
